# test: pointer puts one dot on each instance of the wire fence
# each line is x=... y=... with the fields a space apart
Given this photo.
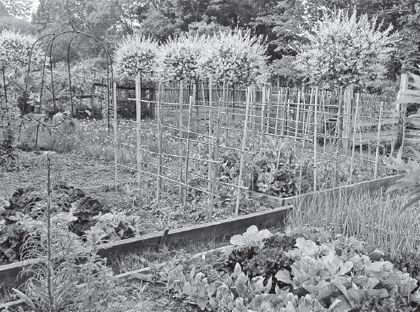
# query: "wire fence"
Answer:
x=218 y=141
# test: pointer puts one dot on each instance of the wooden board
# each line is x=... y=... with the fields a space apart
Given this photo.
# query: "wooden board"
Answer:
x=218 y=229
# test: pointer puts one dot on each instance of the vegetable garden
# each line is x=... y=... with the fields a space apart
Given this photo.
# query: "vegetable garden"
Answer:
x=212 y=138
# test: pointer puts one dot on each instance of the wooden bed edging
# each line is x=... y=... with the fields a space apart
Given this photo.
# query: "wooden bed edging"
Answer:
x=367 y=186
x=191 y=234
x=218 y=229
x=275 y=217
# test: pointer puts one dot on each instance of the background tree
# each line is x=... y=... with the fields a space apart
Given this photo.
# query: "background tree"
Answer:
x=346 y=49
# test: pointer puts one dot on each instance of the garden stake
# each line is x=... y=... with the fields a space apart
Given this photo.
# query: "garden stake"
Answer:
x=315 y=136
x=297 y=116
x=159 y=120
x=180 y=133
x=138 y=129
x=378 y=137
x=49 y=258
x=242 y=161
x=269 y=108
x=212 y=153
x=187 y=152
x=276 y=127
x=114 y=97
x=353 y=150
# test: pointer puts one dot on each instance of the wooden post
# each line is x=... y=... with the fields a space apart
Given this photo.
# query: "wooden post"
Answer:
x=212 y=166
x=263 y=108
x=242 y=161
x=180 y=150
x=276 y=127
x=159 y=120
x=114 y=100
x=315 y=136
x=138 y=129
x=353 y=149
x=348 y=96
x=268 y=100
x=402 y=109
x=187 y=152
x=378 y=137
x=297 y=116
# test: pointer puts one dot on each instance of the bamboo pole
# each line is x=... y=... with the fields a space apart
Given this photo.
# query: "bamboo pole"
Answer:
x=263 y=108
x=378 y=137
x=268 y=95
x=315 y=137
x=180 y=125
x=187 y=152
x=159 y=120
x=114 y=100
x=212 y=166
x=337 y=134
x=138 y=129
x=276 y=127
x=305 y=129
x=297 y=117
x=226 y=105
x=325 y=118
x=353 y=149
x=284 y=114
x=242 y=161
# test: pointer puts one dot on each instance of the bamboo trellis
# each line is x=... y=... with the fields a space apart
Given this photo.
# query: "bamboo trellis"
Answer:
x=199 y=128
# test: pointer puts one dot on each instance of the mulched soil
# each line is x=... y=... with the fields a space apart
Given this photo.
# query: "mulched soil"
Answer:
x=96 y=178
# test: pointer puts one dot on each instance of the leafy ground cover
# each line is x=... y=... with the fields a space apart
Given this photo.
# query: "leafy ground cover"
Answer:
x=113 y=213
x=300 y=270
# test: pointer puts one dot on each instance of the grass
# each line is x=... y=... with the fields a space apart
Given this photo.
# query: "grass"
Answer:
x=374 y=218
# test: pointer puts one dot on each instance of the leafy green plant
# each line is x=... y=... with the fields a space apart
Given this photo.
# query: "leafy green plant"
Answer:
x=335 y=275
x=410 y=180
x=136 y=54
x=344 y=48
x=251 y=238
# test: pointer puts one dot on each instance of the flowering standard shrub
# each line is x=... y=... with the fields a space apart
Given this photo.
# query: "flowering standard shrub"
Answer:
x=345 y=49
x=179 y=58
x=136 y=54
x=15 y=49
x=234 y=57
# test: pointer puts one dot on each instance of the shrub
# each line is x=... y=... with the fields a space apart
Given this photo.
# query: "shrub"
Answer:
x=15 y=49
x=345 y=49
x=179 y=58
x=136 y=54
x=235 y=57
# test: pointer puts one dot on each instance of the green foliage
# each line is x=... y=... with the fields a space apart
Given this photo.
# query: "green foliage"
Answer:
x=178 y=58
x=251 y=238
x=15 y=48
x=335 y=275
x=410 y=180
x=346 y=49
x=17 y=8
x=136 y=55
x=235 y=57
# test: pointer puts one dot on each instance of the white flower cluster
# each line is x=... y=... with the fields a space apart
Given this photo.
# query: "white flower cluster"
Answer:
x=134 y=55
x=345 y=49
x=179 y=58
x=234 y=57
x=15 y=49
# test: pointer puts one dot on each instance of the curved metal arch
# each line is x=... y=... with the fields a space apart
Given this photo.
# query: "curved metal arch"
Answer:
x=69 y=72
x=50 y=45
x=108 y=61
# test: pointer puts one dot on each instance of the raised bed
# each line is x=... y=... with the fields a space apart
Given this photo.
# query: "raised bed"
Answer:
x=213 y=230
